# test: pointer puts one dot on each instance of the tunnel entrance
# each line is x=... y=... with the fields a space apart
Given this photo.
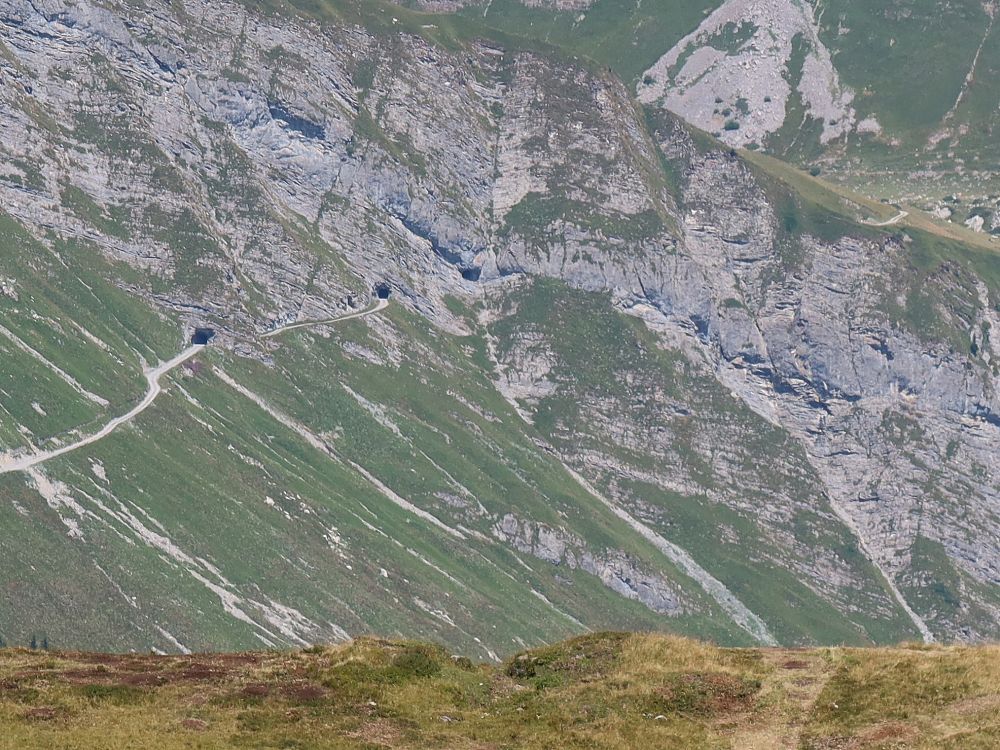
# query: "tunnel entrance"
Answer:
x=202 y=336
x=382 y=290
x=471 y=273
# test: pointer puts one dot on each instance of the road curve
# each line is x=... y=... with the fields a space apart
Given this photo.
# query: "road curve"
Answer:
x=22 y=463
x=888 y=222
x=380 y=305
x=12 y=463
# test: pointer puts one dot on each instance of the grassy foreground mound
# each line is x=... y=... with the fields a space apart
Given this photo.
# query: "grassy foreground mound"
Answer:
x=598 y=691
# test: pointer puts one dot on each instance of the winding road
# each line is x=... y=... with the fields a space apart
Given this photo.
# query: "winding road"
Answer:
x=888 y=222
x=11 y=463
x=380 y=305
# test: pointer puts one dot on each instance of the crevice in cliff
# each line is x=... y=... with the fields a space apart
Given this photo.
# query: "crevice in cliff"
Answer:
x=301 y=125
x=469 y=271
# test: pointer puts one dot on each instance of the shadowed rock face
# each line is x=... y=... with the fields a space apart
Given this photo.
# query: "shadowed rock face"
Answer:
x=433 y=168
x=299 y=124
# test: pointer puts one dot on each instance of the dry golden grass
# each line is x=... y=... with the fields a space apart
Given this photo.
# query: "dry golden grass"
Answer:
x=610 y=690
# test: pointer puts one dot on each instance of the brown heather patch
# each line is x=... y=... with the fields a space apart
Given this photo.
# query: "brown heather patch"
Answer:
x=88 y=676
x=199 y=673
x=795 y=664
x=304 y=693
x=977 y=705
x=146 y=679
x=255 y=690
x=710 y=693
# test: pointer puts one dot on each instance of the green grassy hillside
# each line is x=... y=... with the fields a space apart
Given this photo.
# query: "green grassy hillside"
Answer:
x=305 y=459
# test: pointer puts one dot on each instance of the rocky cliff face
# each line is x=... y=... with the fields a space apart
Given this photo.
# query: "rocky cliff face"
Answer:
x=790 y=384
x=733 y=75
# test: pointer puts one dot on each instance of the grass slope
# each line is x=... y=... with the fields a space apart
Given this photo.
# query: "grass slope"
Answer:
x=258 y=518
x=607 y=690
x=660 y=418
x=66 y=310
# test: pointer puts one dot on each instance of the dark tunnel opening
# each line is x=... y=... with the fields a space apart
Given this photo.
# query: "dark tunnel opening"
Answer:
x=202 y=336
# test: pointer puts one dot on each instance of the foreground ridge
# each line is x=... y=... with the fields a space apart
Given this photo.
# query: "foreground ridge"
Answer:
x=604 y=690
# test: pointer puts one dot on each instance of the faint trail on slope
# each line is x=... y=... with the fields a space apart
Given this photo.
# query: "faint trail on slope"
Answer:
x=316 y=442
x=539 y=595
x=712 y=586
x=22 y=463
x=406 y=504
x=310 y=437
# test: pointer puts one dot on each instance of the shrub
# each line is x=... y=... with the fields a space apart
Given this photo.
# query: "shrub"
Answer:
x=731 y=125
x=415 y=661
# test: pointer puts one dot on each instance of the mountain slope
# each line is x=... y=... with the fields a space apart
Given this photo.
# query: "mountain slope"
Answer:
x=627 y=378
x=900 y=101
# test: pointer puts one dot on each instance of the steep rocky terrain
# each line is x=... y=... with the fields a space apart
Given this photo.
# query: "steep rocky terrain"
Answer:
x=627 y=377
x=899 y=100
